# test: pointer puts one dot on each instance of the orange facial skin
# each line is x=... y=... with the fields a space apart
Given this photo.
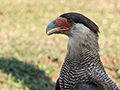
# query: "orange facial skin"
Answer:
x=63 y=24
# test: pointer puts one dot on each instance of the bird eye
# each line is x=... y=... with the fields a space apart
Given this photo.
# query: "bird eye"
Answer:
x=70 y=21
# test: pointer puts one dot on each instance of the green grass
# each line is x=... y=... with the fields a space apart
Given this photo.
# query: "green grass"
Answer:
x=23 y=76
x=30 y=60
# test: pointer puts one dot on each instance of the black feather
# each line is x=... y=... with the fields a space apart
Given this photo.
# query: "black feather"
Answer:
x=84 y=86
x=57 y=86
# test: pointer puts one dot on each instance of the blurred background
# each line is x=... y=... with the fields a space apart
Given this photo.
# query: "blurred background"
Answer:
x=31 y=60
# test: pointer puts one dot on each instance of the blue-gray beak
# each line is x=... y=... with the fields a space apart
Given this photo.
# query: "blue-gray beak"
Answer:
x=51 y=26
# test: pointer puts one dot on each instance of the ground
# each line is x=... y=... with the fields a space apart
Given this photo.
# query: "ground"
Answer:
x=31 y=60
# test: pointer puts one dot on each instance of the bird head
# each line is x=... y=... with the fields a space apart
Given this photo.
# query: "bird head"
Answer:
x=69 y=23
x=77 y=27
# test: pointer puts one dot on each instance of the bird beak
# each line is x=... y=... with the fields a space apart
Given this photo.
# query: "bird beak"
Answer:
x=59 y=25
x=51 y=28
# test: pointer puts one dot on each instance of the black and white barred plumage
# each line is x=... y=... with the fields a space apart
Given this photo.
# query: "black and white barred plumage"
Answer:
x=82 y=68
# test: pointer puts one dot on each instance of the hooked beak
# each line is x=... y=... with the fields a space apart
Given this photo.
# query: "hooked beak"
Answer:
x=51 y=28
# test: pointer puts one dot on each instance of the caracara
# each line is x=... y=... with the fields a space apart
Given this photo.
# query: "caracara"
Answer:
x=82 y=68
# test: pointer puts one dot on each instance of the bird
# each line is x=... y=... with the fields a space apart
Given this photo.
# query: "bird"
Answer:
x=82 y=68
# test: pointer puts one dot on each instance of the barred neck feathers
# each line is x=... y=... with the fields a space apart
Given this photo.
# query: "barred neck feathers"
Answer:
x=82 y=40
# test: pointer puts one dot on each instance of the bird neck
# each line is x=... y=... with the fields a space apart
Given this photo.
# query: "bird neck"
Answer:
x=82 y=52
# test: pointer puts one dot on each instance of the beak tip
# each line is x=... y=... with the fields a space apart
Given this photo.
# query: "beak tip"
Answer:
x=50 y=26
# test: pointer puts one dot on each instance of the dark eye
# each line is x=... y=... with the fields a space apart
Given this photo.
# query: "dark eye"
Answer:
x=70 y=21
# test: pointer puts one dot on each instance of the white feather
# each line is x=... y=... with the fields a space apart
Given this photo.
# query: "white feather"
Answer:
x=82 y=37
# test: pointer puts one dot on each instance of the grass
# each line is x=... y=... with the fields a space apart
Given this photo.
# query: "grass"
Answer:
x=30 y=60
x=23 y=76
